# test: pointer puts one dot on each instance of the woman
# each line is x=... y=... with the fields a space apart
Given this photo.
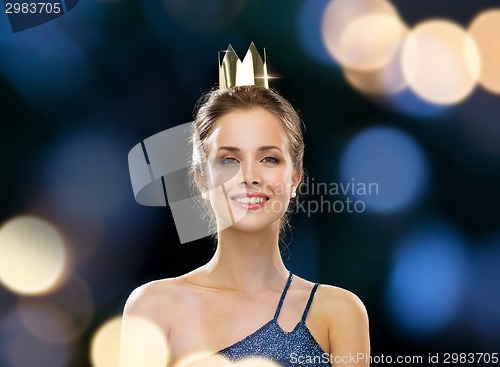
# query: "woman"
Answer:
x=247 y=162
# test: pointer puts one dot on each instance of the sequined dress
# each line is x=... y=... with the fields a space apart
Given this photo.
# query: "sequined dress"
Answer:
x=295 y=348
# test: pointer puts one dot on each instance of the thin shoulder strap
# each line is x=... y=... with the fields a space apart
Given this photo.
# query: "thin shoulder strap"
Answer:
x=304 y=315
x=283 y=294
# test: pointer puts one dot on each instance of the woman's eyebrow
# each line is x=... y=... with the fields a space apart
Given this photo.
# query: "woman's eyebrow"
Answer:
x=260 y=149
x=268 y=147
x=231 y=149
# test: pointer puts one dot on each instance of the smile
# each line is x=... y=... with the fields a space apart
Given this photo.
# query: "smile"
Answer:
x=250 y=200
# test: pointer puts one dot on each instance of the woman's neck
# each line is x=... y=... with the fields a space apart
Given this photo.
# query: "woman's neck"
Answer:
x=248 y=261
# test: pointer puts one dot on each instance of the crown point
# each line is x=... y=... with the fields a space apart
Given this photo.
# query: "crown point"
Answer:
x=251 y=71
x=228 y=68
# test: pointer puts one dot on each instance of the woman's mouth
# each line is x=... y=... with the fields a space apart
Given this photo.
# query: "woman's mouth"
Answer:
x=250 y=201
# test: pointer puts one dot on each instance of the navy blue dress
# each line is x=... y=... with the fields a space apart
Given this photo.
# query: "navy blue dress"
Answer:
x=295 y=348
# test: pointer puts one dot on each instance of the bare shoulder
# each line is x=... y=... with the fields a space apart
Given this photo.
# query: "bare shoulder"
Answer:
x=149 y=298
x=347 y=320
x=340 y=303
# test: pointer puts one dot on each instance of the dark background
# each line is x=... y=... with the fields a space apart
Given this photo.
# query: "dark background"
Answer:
x=79 y=92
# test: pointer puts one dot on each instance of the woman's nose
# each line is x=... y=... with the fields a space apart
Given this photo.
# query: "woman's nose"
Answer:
x=251 y=174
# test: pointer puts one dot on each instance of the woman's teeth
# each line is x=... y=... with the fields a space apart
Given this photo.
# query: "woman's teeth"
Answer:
x=253 y=200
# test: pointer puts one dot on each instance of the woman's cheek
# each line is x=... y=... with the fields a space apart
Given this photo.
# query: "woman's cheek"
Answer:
x=221 y=175
x=280 y=183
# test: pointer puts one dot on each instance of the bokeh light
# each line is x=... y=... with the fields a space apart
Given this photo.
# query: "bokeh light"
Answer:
x=427 y=279
x=386 y=80
x=46 y=66
x=33 y=256
x=482 y=298
x=211 y=359
x=309 y=28
x=361 y=34
x=441 y=62
x=19 y=348
x=61 y=316
x=105 y=346
x=45 y=324
x=202 y=359
x=133 y=341
x=143 y=343
x=408 y=102
x=370 y=41
x=389 y=164
x=85 y=176
x=86 y=189
x=485 y=29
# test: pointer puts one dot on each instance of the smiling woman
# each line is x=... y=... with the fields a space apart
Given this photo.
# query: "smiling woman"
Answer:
x=247 y=133
x=247 y=163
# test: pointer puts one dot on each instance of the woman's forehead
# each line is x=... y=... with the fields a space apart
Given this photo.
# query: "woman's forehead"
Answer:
x=249 y=128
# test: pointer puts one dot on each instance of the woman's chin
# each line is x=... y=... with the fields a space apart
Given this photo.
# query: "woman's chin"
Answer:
x=251 y=225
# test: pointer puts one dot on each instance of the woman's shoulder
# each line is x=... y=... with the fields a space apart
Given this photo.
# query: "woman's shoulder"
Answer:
x=156 y=295
x=340 y=308
x=334 y=296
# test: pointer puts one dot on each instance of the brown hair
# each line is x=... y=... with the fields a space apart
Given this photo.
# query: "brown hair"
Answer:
x=220 y=102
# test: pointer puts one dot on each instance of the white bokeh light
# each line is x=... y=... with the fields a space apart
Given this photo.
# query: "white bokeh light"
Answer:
x=129 y=342
x=485 y=29
x=441 y=62
x=33 y=256
x=361 y=34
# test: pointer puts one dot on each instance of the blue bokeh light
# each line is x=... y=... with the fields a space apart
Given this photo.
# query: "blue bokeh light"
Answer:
x=309 y=30
x=482 y=301
x=44 y=64
x=86 y=187
x=390 y=163
x=409 y=103
x=86 y=177
x=18 y=347
x=427 y=280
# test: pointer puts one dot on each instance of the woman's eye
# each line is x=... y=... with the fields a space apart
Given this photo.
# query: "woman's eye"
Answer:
x=270 y=160
x=228 y=161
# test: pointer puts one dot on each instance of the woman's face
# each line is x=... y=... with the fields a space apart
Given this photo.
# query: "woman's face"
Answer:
x=249 y=168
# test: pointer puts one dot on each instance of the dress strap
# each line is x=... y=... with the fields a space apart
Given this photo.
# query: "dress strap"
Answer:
x=304 y=315
x=283 y=294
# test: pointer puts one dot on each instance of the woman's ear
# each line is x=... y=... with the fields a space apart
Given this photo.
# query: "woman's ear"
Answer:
x=201 y=182
x=296 y=180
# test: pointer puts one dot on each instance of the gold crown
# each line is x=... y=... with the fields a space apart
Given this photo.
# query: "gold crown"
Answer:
x=251 y=71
